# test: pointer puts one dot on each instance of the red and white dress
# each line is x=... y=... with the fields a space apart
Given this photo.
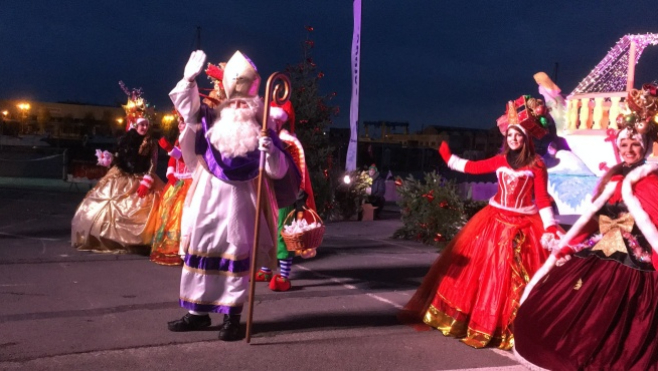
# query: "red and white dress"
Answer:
x=473 y=289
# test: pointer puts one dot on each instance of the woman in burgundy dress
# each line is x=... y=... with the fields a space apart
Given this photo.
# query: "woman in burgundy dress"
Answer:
x=597 y=311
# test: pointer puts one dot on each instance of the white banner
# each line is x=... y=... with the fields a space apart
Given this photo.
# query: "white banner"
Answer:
x=350 y=163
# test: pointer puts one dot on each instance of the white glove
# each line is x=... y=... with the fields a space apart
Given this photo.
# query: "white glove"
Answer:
x=104 y=158
x=195 y=65
x=368 y=190
x=265 y=144
x=549 y=242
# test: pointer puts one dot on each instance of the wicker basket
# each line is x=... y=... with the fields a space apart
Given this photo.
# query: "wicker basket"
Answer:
x=306 y=240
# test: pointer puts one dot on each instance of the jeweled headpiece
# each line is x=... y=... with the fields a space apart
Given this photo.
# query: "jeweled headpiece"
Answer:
x=527 y=114
x=136 y=107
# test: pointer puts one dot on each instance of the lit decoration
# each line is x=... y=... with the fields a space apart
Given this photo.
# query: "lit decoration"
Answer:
x=439 y=237
x=346 y=179
x=398 y=182
x=611 y=74
x=443 y=204
x=136 y=107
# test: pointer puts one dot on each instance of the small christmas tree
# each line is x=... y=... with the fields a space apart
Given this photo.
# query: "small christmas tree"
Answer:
x=432 y=210
x=313 y=115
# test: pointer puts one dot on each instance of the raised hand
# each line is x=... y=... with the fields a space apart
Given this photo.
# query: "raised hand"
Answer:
x=194 y=65
x=164 y=144
x=444 y=151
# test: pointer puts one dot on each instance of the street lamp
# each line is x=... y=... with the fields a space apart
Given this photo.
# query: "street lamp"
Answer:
x=167 y=121
x=24 y=107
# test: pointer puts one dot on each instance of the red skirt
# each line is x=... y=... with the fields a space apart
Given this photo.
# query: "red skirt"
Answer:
x=590 y=314
x=473 y=289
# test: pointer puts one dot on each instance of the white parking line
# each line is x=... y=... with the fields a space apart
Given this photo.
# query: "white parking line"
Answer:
x=28 y=237
x=348 y=286
x=506 y=354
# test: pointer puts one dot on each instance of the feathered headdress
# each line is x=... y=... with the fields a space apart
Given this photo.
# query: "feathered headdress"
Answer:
x=136 y=107
x=216 y=95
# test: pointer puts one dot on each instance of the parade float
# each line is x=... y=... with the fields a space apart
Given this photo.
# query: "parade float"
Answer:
x=587 y=120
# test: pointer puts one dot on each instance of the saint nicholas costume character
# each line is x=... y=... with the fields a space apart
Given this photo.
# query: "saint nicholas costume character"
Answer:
x=222 y=147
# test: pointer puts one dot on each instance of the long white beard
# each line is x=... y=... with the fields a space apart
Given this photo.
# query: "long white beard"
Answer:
x=235 y=133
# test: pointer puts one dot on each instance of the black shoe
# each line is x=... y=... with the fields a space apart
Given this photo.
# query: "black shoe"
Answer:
x=230 y=330
x=189 y=322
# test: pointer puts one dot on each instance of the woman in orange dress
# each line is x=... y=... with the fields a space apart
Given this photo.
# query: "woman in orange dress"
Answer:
x=166 y=241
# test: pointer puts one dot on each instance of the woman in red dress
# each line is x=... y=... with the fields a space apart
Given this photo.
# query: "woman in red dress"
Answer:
x=598 y=310
x=473 y=289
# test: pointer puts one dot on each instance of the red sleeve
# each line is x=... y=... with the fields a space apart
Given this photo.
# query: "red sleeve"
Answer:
x=172 y=162
x=542 y=198
x=646 y=190
x=588 y=229
x=485 y=166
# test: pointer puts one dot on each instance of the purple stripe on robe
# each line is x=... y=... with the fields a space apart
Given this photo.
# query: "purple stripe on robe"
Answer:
x=210 y=308
x=237 y=168
x=217 y=264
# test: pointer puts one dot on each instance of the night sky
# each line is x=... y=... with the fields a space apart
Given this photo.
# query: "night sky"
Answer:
x=424 y=62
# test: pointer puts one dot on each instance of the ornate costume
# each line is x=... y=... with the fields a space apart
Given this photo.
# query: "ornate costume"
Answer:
x=119 y=214
x=472 y=290
x=281 y=281
x=220 y=209
x=166 y=241
x=598 y=310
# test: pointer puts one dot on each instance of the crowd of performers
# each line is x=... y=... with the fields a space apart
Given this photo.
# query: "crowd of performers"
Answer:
x=511 y=278
x=203 y=218
x=584 y=300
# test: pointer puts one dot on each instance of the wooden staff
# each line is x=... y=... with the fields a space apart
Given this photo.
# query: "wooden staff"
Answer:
x=273 y=92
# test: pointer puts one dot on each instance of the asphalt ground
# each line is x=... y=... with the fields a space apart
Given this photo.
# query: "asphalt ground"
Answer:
x=61 y=309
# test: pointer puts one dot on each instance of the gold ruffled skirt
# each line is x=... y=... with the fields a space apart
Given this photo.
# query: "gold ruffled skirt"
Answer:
x=113 y=219
x=166 y=241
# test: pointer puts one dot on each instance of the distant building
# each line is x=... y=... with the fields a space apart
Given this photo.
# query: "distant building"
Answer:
x=390 y=146
x=62 y=118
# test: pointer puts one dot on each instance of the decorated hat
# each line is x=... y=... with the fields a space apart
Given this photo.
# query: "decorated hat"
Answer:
x=217 y=95
x=526 y=114
x=240 y=78
x=287 y=114
x=136 y=107
x=640 y=120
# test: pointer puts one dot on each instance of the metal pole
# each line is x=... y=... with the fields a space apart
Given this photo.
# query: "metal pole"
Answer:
x=65 y=162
